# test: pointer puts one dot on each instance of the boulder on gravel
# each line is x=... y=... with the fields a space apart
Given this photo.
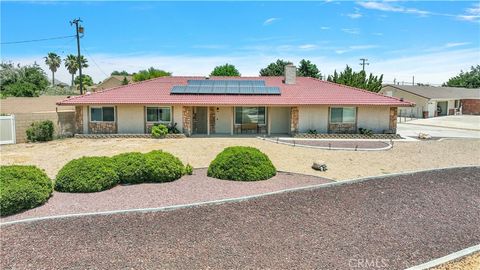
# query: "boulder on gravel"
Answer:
x=424 y=136
x=319 y=165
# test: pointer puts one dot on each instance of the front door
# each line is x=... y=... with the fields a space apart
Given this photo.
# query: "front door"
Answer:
x=442 y=108
x=199 y=120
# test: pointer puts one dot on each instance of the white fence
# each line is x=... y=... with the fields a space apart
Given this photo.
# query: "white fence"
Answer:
x=7 y=129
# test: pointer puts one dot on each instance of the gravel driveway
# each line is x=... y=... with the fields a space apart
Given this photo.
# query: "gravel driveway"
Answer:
x=395 y=223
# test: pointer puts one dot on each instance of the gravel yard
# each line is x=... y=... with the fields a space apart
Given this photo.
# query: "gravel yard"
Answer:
x=395 y=223
x=188 y=189
x=199 y=152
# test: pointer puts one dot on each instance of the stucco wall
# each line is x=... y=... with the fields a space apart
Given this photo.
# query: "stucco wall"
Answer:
x=279 y=119
x=223 y=120
x=177 y=117
x=376 y=118
x=313 y=117
x=421 y=104
x=131 y=119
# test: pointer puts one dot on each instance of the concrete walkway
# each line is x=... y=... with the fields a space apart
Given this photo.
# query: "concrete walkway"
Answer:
x=465 y=122
x=412 y=130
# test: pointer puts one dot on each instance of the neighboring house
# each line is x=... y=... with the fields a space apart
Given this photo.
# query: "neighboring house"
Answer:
x=60 y=83
x=235 y=105
x=112 y=81
x=432 y=101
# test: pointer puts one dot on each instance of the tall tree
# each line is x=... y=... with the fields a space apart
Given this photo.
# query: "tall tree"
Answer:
x=275 y=69
x=308 y=69
x=53 y=61
x=123 y=72
x=357 y=79
x=469 y=79
x=225 y=70
x=151 y=73
x=71 y=63
x=22 y=81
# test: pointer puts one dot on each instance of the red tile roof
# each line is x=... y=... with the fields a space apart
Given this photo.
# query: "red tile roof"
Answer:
x=306 y=91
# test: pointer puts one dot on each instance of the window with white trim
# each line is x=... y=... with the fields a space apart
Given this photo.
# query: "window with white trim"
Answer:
x=159 y=114
x=102 y=114
x=343 y=115
x=250 y=115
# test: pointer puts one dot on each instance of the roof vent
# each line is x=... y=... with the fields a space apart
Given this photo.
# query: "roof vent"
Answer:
x=401 y=99
x=207 y=78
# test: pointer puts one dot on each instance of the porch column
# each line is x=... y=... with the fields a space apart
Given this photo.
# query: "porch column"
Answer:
x=293 y=120
x=269 y=121
x=211 y=119
x=187 y=120
x=393 y=119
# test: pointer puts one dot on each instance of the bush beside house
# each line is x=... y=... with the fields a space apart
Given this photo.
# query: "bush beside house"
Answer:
x=41 y=131
x=241 y=163
x=22 y=188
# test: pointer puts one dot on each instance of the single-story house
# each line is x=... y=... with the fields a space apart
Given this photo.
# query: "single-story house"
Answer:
x=235 y=105
x=432 y=101
x=112 y=81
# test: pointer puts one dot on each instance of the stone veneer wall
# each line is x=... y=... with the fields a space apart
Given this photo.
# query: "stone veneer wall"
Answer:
x=393 y=119
x=102 y=127
x=471 y=106
x=212 y=119
x=79 y=119
x=187 y=120
x=294 y=120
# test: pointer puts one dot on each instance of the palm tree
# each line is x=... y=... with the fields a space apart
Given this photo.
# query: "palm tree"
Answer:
x=53 y=62
x=71 y=64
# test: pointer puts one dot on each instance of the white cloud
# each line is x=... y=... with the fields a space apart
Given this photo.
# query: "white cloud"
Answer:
x=377 y=34
x=456 y=44
x=308 y=46
x=383 y=6
x=352 y=31
x=354 y=15
x=471 y=14
x=270 y=21
x=433 y=67
x=355 y=48
x=324 y=28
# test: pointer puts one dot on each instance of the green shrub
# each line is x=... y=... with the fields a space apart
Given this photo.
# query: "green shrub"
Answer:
x=87 y=174
x=163 y=167
x=131 y=167
x=22 y=188
x=365 y=131
x=189 y=169
x=242 y=164
x=40 y=131
x=159 y=131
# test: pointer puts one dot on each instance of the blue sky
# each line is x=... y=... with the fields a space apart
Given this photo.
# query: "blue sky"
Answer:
x=429 y=40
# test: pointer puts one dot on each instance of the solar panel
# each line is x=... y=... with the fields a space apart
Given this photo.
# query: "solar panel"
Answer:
x=226 y=87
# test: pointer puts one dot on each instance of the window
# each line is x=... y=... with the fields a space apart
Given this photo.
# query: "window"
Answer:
x=102 y=114
x=457 y=103
x=343 y=115
x=250 y=115
x=158 y=114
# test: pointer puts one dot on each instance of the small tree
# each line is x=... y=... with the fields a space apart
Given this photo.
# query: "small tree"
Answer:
x=151 y=73
x=86 y=80
x=275 y=69
x=123 y=72
x=225 y=70
x=53 y=61
x=308 y=69
x=469 y=79
x=22 y=81
x=124 y=81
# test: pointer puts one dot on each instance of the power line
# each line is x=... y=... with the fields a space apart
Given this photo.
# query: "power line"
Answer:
x=90 y=56
x=35 y=40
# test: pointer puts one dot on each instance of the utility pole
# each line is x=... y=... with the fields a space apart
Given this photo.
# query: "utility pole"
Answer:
x=363 y=63
x=79 y=29
x=413 y=80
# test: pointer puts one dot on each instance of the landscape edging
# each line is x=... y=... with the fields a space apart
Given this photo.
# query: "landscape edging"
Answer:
x=445 y=259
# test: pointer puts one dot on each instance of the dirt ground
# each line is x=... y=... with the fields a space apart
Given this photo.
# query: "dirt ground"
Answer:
x=199 y=152
x=471 y=262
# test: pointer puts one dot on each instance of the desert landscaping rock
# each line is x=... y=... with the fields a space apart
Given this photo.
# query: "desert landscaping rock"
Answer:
x=189 y=189
x=199 y=152
x=397 y=222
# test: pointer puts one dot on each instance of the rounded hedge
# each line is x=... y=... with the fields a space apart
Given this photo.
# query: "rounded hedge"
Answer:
x=241 y=163
x=131 y=167
x=22 y=188
x=87 y=174
x=163 y=167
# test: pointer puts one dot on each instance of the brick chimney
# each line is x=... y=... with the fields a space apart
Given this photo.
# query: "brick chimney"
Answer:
x=290 y=74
